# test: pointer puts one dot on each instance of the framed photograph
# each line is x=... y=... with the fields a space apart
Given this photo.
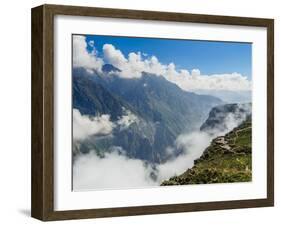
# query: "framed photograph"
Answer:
x=141 y=112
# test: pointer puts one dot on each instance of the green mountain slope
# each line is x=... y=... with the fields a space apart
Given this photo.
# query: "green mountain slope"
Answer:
x=227 y=159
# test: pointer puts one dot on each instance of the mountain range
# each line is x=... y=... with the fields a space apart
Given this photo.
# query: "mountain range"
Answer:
x=160 y=109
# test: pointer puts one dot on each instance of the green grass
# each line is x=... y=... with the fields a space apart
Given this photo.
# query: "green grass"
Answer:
x=244 y=138
x=218 y=165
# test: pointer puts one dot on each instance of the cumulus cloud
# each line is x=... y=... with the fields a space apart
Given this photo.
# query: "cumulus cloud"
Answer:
x=196 y=81
x=231 y=82
x=195 y=72
x=85 y=126
x=133 y=65
x=114 y=56
x=130 y=68
x=83 y=58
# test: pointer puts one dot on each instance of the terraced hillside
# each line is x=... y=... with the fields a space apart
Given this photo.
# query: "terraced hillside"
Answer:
x=227 y=159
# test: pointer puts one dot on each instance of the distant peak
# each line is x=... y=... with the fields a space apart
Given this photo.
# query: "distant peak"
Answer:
x=106 y=68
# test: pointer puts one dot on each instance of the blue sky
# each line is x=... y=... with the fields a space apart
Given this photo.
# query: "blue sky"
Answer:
x=208 y=56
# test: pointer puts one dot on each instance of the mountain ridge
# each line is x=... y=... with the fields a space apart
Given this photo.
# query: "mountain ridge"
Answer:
x=163 y=110
x=227 y=159
x=222 y=115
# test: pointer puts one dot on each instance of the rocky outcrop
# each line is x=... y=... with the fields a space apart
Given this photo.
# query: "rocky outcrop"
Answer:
x=227 y=159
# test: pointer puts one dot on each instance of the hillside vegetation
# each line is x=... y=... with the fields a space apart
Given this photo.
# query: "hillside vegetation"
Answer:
x=227 y=159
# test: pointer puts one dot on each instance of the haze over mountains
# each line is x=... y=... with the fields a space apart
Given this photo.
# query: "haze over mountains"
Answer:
x=138 y=121
x=147 y=128
x=159 y=112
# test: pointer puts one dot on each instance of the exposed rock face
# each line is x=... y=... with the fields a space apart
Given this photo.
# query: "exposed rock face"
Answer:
x=220 y=117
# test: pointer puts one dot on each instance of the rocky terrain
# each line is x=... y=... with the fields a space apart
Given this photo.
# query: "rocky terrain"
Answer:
x=222 y=116
x=227 y=159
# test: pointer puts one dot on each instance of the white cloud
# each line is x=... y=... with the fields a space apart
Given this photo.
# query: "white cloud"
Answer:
x=114 y=171
x=84 y=126
x=195 y=72
x=230 y=82
x=130 y=68
x=193 y=144
x=127 y=119
x=134 y=64
x=91 y=43
x=114 y=56
x=83 y=58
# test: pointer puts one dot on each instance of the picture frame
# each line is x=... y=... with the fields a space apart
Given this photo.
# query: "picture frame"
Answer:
x=43 y=184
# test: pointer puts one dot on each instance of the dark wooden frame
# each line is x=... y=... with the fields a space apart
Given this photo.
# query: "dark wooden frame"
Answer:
x=42 y=203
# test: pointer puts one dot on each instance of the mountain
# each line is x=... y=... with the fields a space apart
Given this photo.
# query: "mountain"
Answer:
x=223 y=116
x=109 y=68
x=159 y=100
x=93 y=99
x=162 y=109
x=227 y=159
